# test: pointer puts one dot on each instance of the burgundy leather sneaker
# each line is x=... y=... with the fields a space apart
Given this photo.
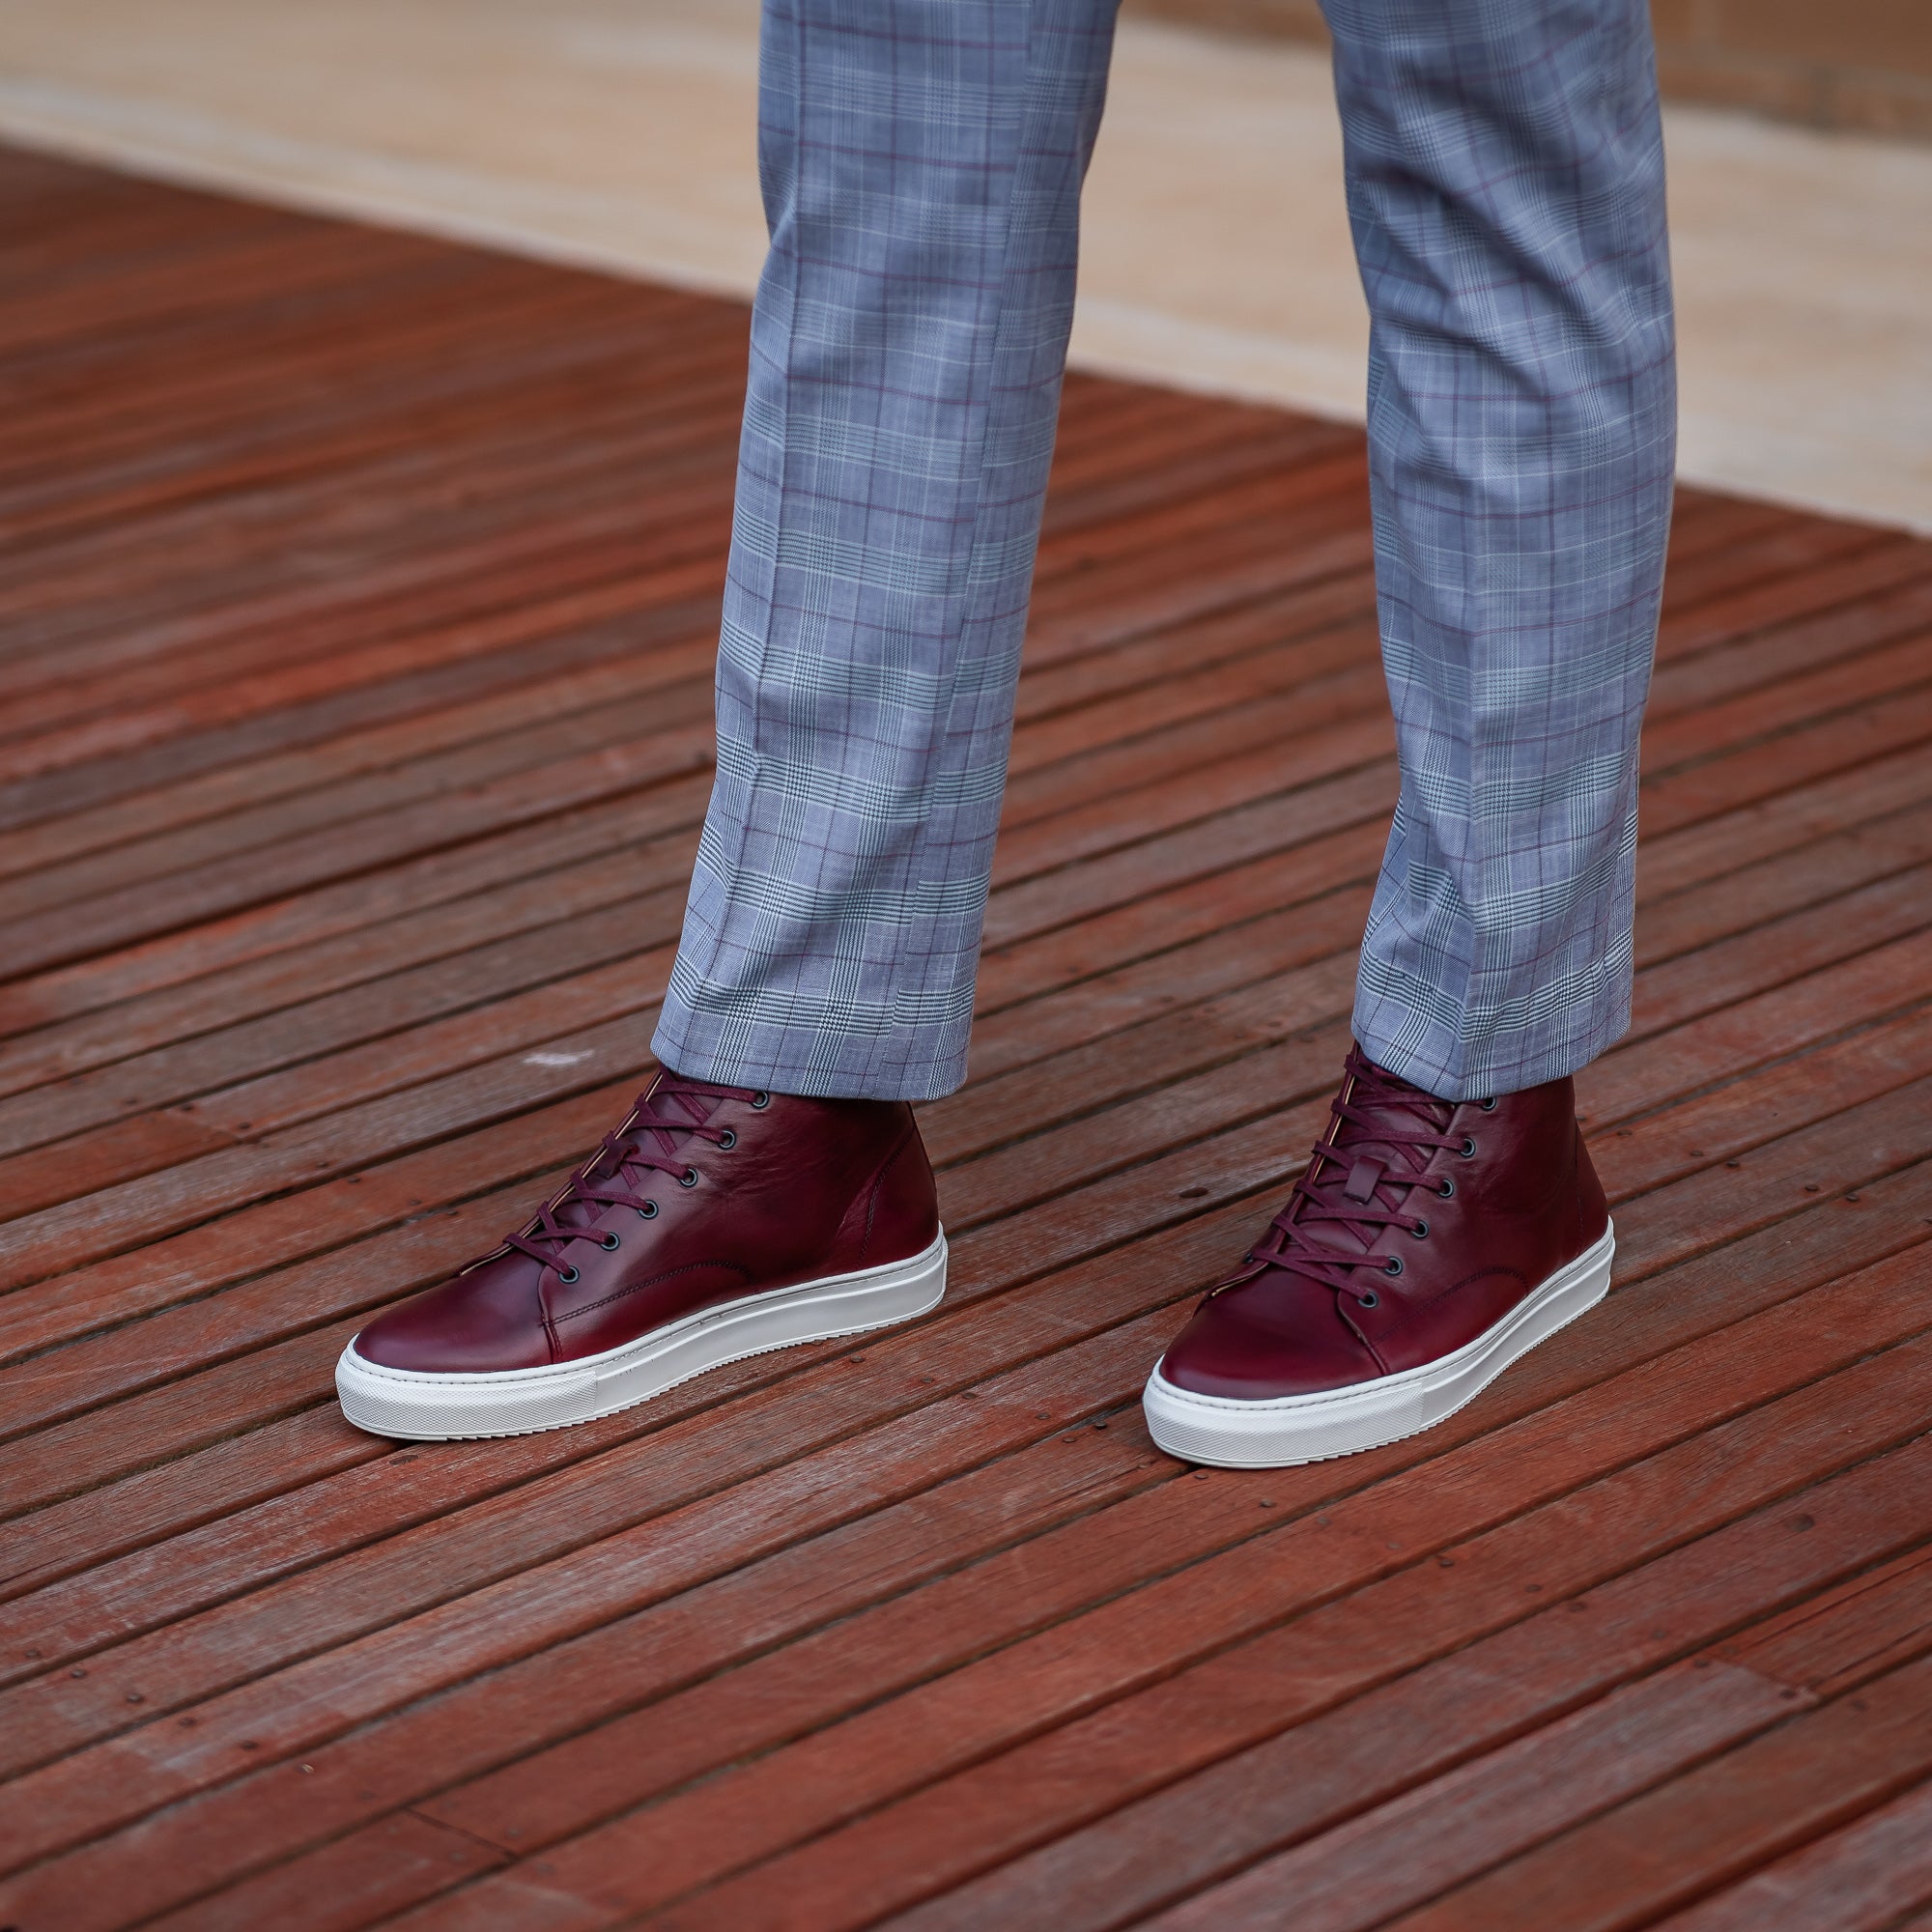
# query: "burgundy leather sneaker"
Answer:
x=1428 y=1245
x=717 y=1222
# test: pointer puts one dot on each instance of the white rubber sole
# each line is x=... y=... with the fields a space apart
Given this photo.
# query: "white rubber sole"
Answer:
x=1235 y=1434
x=422 y=1408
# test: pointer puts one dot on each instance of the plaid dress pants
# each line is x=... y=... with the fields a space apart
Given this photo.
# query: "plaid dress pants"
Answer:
x=921 y=162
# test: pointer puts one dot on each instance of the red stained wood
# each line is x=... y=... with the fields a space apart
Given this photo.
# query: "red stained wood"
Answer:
x=1007 y=1804
x=355 y=738
x=1859 y=1878
x=1329 y=1768
x=1815 y=1773
x=1414 y=1846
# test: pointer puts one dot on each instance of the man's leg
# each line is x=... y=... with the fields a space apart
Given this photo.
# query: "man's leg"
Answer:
x=922 y=163
x=1505 y=175
x=1506 y=189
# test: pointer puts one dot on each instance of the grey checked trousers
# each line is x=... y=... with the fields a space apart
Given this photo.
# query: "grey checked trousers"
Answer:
x=921 y=162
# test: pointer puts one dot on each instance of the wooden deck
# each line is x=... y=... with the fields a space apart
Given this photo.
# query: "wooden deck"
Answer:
x=358 y=609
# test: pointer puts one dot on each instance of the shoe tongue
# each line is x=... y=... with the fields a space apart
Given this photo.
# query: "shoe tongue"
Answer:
x=693 y=1106
x=1404 y=1110
x=1369 y=1161
x=1367 y=1155
x=684 y=1106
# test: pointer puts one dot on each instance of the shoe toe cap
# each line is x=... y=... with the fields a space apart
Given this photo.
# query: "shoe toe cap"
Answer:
x=485 y=1322
x=1237 y=1349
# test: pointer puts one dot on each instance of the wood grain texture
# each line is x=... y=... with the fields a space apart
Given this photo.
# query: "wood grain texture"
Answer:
x=355 y=640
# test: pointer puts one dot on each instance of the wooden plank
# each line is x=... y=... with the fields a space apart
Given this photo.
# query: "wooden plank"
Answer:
x=1787 y=882
x=1804 y=699
x=180 y=383
x=188 y=387
x=312 y=388
x=324 y=940
x=1770 y=1182
x=1861 y=1878
x=1757 y=771
x=208 y=1569
x=442 y=990
x=231 y=1475
x=1782 y=553
x=1091 y=752
x=400 y=1858
x=309 y=585
x=314 y=775
x=915 y=1845
x=1144 y=664
x=1745 y=1113
x=1379 y=1741
x=1272 y=673
x=149 y=556
x=240 y=883
x=1782 y=650
x=681 y=558
x=125 y=720
x=1835 y=577
x=19 y=996
x=1882 y=1216
x=353 y=1278
x=1863 y=1628
x=1753 y=1805
x=1313 y=1778
x=563 y=1022
x=277 y=261
x=291 y=1227
x=1887 y=981
x=1111 y=954
x=1365 y=1873
x=1809 y=808
x=197 y=1334
x=1782 y=949
x=598 y=451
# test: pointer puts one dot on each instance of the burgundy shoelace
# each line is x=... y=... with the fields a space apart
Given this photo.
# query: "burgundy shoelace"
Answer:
x=648 y=1141
x=1362 y=1194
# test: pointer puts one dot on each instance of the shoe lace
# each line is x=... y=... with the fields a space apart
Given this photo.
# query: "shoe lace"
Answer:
x=1363 y=1195
x=648 y=1141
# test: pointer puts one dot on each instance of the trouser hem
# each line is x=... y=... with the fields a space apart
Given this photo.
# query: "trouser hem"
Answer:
x=748 y=1066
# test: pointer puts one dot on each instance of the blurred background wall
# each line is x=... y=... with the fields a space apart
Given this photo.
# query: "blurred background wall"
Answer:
x=1215 y=252
x=1864 y=64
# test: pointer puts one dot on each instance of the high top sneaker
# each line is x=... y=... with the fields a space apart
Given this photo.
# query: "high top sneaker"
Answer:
x=1428 y=1245
x=715 y=1222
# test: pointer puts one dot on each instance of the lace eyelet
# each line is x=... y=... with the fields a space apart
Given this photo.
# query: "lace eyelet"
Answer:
x=610 y=1242
x=1420 y=1231
x=688 y=1178
x=1369 y=1298
x=1393 y=1266
x=1468 y=1147
x=1448 y=1188
x=728 y=1138
x=1488 y=1106
x=569 y=1275
x=648 y=1211
x=761 y=1099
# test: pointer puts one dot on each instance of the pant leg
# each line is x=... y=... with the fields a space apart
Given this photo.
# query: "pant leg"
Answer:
x=1506 y=191
x=921 y=162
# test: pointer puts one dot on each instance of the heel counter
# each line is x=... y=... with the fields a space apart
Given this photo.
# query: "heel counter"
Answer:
x=896 y=1214
x=1593 y=1207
